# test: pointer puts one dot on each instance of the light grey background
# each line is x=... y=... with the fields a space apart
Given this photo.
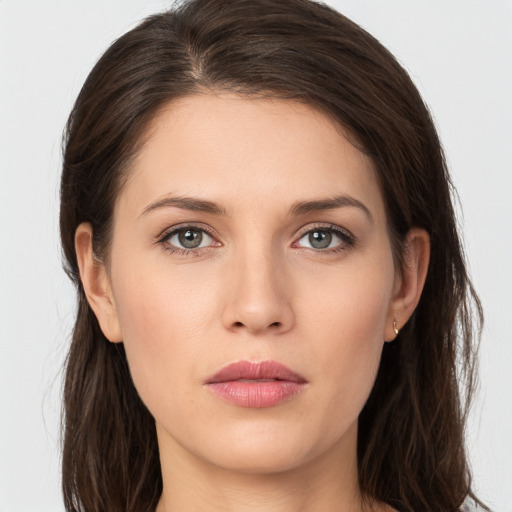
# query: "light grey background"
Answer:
x=459 y=54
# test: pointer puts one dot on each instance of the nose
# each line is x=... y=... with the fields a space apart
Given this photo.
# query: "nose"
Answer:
x=259 y=295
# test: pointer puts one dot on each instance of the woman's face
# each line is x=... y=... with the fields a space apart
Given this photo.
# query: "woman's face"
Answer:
x=252 y=231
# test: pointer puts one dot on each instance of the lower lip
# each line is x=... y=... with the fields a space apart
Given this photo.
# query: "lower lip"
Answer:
x=256 y=394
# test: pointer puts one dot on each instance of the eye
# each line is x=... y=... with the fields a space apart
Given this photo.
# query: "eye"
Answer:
x=188 y=238
x=323 y=238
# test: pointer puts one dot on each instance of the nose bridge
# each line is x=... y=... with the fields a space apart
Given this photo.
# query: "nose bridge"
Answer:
x=259 y=298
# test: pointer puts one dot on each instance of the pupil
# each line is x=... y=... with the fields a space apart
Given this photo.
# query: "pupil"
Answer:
x=190 y=239
x=320 y=239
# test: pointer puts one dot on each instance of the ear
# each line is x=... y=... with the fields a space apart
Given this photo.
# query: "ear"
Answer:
x=96 y=283
x=409 y=281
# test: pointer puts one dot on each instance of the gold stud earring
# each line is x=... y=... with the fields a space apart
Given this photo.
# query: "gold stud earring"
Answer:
x=395 y=327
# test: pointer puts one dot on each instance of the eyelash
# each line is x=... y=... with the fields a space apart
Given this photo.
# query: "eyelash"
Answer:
x=348 y=240
x=172 y=249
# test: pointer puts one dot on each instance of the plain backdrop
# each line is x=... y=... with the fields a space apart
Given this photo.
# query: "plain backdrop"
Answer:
x=459 y=53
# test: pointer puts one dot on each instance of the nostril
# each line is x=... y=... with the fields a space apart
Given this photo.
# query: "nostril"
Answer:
x=273 y=324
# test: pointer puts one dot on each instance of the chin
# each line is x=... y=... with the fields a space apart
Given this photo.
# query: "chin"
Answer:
x=257 y=459
x=265 y=449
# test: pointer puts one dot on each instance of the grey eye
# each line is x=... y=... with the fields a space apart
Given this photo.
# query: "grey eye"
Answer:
x=320 y=239
x=190 y=238
x=328 y=238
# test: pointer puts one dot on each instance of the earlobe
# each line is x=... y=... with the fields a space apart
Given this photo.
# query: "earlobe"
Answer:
x=410 y=282
x=96 y=284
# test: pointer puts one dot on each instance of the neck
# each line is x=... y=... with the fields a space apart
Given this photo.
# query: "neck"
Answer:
x=328 y=483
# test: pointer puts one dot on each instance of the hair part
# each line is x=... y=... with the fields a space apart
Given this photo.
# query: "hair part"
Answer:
x=291 y=50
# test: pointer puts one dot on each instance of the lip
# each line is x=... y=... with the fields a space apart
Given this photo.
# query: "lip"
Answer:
x=256 y=384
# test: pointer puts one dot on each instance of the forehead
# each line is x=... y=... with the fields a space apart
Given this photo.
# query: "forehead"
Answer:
x=240 y=151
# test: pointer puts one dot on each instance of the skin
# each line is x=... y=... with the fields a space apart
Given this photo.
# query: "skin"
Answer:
x=256 y=289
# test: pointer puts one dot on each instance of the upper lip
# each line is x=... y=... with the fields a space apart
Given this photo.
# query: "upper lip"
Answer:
x=260 y=370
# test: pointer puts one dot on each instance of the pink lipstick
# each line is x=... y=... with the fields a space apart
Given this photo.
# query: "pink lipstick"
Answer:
x=256 y=384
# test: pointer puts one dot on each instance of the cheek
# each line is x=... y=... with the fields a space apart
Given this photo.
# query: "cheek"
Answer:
x=347 y=321
x=350 y=306
x=163 y=321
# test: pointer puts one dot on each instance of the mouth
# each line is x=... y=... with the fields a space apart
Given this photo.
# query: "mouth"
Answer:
x=256 y=384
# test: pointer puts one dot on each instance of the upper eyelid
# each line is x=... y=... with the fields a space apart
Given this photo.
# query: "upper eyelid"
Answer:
x=323 y=226
x=169 y=231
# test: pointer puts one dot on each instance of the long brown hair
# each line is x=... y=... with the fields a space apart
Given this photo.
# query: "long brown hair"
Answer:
x=411 y=451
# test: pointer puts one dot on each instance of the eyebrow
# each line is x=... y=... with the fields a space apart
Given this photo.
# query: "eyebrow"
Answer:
x=304 y=207
x=185 y=203
x=298 y=208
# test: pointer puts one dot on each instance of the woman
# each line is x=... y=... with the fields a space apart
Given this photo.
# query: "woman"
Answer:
x=273 y=301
